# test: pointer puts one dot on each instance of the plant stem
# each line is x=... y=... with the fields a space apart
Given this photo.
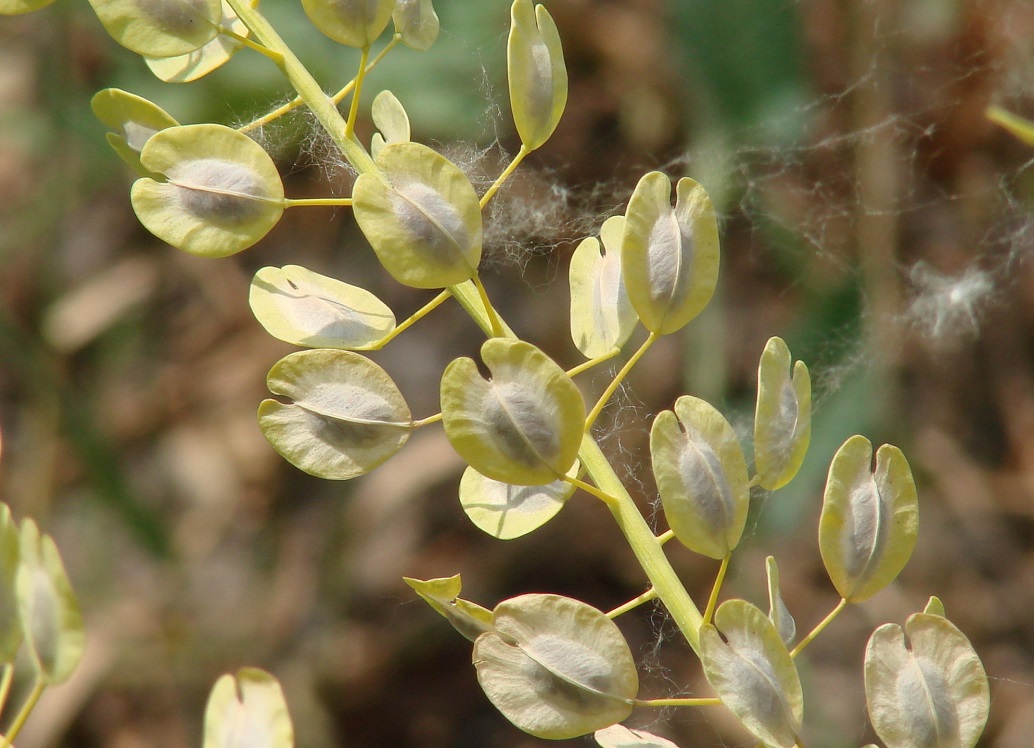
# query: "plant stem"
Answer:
x=427 y=421
x=5 y=684
x=296 y=102
x=322 y=106
x=493 y=316
x=418 y=315
x=630 y=520
x=246 y=42
x=643 y=543
x=712 y=601
x=353 y=110
x=819 y=628
x=308 y=202
x=469 y=297
x=589 y=488
x=593 y=362
x=703 y=701
x=618 y=379
x=635 y=602
x=664 y=537
x=23 y=713
x=505 y=175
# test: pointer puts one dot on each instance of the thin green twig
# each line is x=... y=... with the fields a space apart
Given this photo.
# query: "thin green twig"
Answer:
x=618 y=379
x=712 y=601
x=635 y=602
x=819 y=628
x=24 y=712
x=702 y=701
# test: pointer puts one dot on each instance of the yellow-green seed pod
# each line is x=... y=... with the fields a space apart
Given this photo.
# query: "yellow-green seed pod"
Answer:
x=160 y=28
x=536 y=72
x=417 y=22
x=247 y=710
x=354 y=23
x=670 y=255
x=17 y=7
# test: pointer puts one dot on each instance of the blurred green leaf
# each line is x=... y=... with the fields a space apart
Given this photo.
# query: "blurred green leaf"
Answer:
x=52 y=623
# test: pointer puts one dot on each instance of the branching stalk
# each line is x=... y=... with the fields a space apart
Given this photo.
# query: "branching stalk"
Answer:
x=24 y=712
x=712 y=601
x=322 y=106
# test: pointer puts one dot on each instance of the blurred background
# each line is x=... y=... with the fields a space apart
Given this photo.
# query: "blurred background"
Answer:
x=871 y=216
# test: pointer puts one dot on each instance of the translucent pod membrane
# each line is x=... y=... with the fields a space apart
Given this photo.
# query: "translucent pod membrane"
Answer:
x=556 y=667
x=751 y=671
x=524 y=425
x=220 y=191
x=391 y=121
x=304 y=308
x=701 y=476
x=52 y=624
x=354 y=23
x=671 y=255
x=602 y=317
x=160 y=28
x=417 y=22
x=536 y=73
x=782 y=419
x=870 y=518
x=343 y=417
x=506 y=511
x=929 y=691
x=247 y=710
x=132 y=120
x=201 y=61
x=619 y=736
x=421 y=216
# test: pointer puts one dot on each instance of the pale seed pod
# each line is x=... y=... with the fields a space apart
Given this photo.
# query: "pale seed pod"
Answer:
x=536 y=73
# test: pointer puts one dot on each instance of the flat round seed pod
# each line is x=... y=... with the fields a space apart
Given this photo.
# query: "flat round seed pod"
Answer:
x=221 y=194
x=870 y=518
x=422 y=218
x=202 y=61
x=247 y=710
x=160 y=28
x=670 y=255
x=305 y=308
x=524 y=425
x=344 y=414
x=556 y=667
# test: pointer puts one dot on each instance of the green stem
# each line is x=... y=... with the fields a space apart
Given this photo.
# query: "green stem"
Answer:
x=593 y=362
x=618 y=379
x=643 y=542
x=427 y=421
x=308 y=202
x=246 y=42
x=418 y=315
x=469 y=297
x=353 y=110
x=606 y=498
x=703 y=701
x=495 y=324
x=664 y=537
x=712 y=601
x=322 y=106
x=23 y=713
x=635 y=602
x=369 y=68
x=819 y=628
x=5 y=684
x=296 y=102
x=504 y=176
